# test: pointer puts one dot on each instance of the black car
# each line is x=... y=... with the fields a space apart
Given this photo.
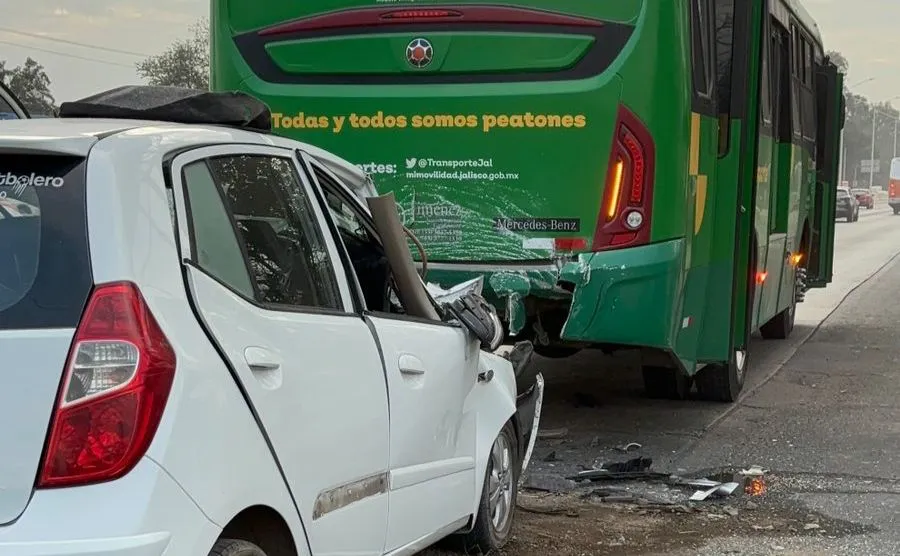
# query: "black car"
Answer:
x=846 y=206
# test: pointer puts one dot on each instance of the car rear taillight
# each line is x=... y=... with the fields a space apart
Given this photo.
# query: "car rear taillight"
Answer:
x=892 y=189
x=625 y=212
x=117 y=380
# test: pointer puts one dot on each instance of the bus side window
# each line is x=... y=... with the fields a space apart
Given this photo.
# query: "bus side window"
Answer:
x=724 y=46
x=702 y=37
x=807 y=95
x=797 y=72
x=781 y=75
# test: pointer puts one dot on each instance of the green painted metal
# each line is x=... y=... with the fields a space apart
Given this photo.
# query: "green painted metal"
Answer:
x=460 y=52
x=458 y=156
x=238 y=16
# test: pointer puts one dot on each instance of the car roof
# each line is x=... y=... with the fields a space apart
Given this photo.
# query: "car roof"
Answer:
x=77 y=136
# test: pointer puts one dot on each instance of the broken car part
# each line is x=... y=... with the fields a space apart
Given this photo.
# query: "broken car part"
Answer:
x=409 y=285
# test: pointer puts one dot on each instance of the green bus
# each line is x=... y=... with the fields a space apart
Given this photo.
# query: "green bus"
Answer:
x=625 y=174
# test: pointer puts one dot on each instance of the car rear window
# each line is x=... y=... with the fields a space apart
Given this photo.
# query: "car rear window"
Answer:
x=842 y=193
x=45 y=274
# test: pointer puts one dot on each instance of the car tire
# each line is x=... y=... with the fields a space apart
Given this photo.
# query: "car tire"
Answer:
x=235 y=547
x=722 y=382
x=497 y=506
x=663 y=383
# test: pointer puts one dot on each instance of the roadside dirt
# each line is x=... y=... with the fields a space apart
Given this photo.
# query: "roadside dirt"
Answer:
x=569 y=525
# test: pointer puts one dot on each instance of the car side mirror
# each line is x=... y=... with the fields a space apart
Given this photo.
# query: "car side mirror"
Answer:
x=479 y=317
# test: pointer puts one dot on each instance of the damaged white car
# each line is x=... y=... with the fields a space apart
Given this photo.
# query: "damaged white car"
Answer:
x=212 y=345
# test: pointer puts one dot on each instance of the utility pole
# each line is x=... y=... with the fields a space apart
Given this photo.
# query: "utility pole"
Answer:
x=872 y=150
x=895 y=137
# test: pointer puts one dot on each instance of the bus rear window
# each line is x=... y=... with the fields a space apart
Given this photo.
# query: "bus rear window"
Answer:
x=45 y=274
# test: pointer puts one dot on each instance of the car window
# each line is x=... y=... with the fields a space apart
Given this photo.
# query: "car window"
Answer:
x=45 y=269
x=214 y=244
x=278 y=230
x=364 y=249
x=6 y=111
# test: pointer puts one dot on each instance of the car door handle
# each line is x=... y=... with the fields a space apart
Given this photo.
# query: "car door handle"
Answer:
x=411 y=365
x=261 y=359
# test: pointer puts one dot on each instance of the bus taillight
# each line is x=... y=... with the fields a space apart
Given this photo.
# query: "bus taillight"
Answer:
x=628 y=193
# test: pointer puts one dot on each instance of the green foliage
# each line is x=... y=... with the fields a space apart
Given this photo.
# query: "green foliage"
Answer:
x=184 y=64
x=30 y=83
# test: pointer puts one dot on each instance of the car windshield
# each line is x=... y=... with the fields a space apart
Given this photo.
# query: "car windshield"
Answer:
x=690 y=208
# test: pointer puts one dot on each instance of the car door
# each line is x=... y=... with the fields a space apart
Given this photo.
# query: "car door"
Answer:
x=262 y=275
x=431 y=369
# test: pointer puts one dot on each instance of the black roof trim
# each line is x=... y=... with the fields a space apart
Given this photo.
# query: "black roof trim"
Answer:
x=175 y=105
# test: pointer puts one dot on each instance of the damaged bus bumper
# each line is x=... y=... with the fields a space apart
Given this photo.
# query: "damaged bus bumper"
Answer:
x=619 y=297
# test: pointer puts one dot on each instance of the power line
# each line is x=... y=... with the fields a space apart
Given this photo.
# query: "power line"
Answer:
x=67 y=55
x=82 y=44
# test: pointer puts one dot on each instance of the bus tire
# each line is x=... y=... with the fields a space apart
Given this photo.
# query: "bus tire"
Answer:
x=722 y=382
x=663 y=383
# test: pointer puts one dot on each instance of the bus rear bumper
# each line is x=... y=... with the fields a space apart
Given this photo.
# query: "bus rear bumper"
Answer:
x=625 y=297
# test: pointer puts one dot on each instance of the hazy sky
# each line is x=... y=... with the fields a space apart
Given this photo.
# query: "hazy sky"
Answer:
x=864 y=30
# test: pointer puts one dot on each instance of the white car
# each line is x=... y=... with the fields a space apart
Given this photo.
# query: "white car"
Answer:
x=200 y=358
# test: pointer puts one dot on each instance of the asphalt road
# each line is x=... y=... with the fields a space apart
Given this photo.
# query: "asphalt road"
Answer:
x=820 y=411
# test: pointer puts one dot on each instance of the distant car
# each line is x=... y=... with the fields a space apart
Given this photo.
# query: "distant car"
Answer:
x=864 y=197
x=10 y=107
x=846 y=206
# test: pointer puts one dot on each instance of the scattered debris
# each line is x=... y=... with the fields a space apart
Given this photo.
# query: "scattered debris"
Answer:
x=751 y=505
x=553 y=433
x=754 y=471
x=763 y=527
x=551 y=456
x=730 y=510
x=548 y=482
x=632 y=469
x=720 y=489
x=810 y=526
x=628 y=447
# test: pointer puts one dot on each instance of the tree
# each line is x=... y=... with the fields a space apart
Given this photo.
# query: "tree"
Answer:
x=184 y=64
x=839 y=60
x=30 y=83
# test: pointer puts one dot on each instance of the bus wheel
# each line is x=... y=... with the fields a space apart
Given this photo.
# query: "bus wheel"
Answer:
x=663 y=383
x=722 y=382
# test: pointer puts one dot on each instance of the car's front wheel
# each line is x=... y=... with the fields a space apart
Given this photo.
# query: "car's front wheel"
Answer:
x=234 y=547
x=497 y=507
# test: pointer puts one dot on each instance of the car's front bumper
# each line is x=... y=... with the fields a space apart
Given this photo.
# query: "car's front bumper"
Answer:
x=528 y=417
